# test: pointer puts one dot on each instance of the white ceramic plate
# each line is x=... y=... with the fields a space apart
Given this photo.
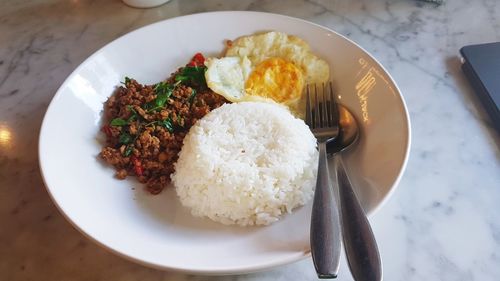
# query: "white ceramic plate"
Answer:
x=156 y=230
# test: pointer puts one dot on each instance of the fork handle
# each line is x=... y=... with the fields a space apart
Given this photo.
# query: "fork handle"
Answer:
x=325 y=223
x=359 y=242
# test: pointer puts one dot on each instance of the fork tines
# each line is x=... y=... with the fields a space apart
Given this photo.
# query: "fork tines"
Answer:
x=324 y=113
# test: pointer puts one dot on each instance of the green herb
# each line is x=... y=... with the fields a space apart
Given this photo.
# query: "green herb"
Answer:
x=127 y=81
x=167 y=123
x=192 y=74
x=163 y=92
x=148 y=106
x=134 y=114
x=118 y=122
x=129 y=141
x=179 y=121
x=161 y=100
x=125 y=138
x=191 y=97
x=128 y=150
x=132 y=118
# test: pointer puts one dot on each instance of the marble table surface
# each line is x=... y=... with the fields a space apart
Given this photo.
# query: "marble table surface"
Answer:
x=442 y=223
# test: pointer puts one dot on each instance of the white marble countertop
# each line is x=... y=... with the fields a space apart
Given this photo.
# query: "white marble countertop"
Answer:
x=442 y=223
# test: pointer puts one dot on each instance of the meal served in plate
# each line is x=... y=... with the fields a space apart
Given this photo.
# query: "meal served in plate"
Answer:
x=247 y=162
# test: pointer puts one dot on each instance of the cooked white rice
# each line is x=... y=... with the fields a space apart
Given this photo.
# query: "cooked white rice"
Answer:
x=246 y=163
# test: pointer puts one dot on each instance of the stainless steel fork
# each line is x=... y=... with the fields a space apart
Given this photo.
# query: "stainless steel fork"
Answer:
x=323 y=120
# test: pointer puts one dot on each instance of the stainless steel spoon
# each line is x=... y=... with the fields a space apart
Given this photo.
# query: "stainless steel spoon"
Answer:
x=348 y=135
x=360 y=246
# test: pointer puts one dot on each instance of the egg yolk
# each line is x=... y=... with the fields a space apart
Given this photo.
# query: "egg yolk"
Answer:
x=277 y=79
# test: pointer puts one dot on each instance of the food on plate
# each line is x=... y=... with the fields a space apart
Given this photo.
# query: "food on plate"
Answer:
x=246 y=163
x=145 y=124
x=271 y=65
x=238 y=80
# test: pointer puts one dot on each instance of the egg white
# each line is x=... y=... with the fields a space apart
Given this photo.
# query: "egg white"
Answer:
x=226 y=76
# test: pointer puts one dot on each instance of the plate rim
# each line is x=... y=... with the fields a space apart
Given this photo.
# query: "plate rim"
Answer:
x=232 y=270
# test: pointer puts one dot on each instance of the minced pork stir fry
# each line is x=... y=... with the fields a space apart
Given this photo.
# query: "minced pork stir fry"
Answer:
x=146 y=124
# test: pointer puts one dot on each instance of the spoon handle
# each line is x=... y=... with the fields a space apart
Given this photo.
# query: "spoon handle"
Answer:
x=359 y=242
x=325 y=223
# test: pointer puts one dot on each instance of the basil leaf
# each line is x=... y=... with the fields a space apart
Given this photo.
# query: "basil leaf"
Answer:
x=132 y=118
x=161 y=100
x=179 y=121
x=160 y=87
x=163 y=92
x=191 y=97
x=192 y=74
x=181 y=78
x=167 y=123
x=148 y=106
x=118 y=122
x=127 y=80
x=128 y=150
x=125 y=138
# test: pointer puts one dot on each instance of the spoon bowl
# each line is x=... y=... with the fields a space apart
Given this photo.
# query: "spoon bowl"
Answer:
x=348 y=135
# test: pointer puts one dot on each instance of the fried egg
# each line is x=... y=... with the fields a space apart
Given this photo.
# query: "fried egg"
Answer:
x=269 y=66
x=237 y=80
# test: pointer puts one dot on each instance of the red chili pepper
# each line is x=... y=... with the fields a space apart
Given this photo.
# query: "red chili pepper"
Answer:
x=137 y=165
x=138 y=170
x=107 y=130
x=197 y=60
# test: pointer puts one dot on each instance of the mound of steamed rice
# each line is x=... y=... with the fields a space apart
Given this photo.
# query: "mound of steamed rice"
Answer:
x=246 y=163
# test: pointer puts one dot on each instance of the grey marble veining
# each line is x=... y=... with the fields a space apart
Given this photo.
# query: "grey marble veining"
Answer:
x=442 y=223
